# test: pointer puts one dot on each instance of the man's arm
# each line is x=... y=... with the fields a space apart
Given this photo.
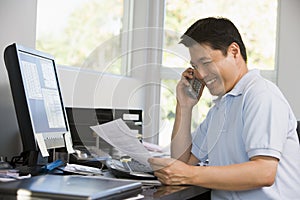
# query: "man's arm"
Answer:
x=181 y=143
x=181 y=138
x=260 y=171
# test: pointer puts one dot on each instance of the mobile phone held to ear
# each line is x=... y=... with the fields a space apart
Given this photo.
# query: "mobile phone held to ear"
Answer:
x=194 y=88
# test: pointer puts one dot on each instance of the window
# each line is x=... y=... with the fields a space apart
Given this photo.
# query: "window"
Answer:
x=256 y=21
x=94 y=34
x=86 y=34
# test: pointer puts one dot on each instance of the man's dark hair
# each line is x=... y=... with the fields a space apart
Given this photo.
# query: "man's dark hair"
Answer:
x=218 y=33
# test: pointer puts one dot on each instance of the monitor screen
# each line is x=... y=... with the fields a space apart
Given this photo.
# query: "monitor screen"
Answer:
x=37 y=98
x=42 y=93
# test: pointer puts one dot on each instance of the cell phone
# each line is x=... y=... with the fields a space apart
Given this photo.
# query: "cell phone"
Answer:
x=194 y=88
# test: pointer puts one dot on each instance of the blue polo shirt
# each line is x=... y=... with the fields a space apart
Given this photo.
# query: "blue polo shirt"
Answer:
x=253 y=119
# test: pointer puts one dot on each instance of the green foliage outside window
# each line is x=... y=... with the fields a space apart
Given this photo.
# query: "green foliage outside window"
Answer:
x=89 y=37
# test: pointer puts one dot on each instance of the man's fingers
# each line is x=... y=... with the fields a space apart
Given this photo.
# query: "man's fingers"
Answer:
x=156 y=163
x=160 y=163
x=188 y=73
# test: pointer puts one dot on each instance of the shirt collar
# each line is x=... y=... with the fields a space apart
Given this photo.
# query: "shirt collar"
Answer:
x=239 y=88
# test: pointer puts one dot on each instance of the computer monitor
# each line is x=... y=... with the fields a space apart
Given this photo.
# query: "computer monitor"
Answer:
x=39 y=107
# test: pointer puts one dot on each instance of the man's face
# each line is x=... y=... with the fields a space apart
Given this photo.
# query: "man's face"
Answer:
x=220 y=73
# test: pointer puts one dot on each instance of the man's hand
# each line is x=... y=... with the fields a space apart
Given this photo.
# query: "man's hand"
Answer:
x=170 y=171
x=183 y=84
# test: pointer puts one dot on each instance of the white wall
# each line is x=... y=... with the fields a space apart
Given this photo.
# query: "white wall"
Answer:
x=17 y=22
x=288 y=53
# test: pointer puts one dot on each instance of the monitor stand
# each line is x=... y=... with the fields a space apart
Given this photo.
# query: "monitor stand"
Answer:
x=34 y=163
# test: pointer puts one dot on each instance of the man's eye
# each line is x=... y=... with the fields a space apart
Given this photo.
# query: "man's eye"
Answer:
x=206 y=63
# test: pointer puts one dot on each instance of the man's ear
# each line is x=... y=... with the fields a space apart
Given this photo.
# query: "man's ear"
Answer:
x=234 y=49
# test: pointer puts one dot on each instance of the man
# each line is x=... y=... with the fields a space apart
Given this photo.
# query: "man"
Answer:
x=249 y=135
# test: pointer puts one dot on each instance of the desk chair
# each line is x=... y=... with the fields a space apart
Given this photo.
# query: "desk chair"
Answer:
x=298 y=129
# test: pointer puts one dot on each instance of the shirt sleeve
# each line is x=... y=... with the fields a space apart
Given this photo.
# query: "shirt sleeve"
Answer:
x=265 y=121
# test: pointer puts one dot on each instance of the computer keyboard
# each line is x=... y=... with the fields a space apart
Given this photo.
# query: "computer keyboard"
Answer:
x=135 y=166
x=129 y=168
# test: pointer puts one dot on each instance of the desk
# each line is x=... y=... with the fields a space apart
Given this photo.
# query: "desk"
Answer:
x=175 y=192
x=40 y=184
x=170 y=192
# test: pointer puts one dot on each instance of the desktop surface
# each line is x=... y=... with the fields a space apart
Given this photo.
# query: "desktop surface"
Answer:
x=176 y=192
x=155 y=191
x=69 y=187
x=103 y=187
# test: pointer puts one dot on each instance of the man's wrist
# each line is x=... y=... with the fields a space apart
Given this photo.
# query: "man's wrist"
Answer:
x=184 y=107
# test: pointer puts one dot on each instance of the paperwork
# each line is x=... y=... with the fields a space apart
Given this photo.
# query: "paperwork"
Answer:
x=7 y=175
x=119 y=135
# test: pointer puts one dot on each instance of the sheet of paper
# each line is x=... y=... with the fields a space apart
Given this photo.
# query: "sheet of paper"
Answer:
x=42 y=145
x=119 y=135
x=68 y=142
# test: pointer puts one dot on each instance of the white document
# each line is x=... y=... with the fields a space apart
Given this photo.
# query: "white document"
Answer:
x=68 y=142
x=119 y=135
x=42 y=145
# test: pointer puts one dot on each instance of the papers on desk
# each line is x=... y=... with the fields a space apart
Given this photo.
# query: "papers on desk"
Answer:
x=7 y=175
x=119 y=135
x=83 y=170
